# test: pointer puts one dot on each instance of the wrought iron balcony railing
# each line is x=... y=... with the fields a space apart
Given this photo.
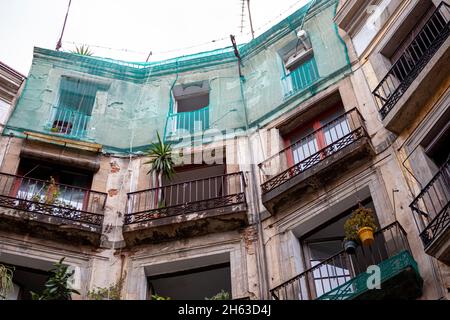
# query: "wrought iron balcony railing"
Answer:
x=339 y=277
x=46 y=198
x=187 y=123
x=431 y=206
x=308 y=152
x=69 y=122
x=300 y=78
x=413 y=60
x=186 y=197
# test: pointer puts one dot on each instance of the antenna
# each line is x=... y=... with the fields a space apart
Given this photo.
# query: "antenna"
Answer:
x=59 y=43
x=242 y=15
x=250 y=18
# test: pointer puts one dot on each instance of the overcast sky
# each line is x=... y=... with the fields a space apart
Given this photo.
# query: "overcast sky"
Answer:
x=138 y=26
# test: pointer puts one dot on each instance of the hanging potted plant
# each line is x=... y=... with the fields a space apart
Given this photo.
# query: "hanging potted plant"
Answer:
x=362 y=221
x=351 y=240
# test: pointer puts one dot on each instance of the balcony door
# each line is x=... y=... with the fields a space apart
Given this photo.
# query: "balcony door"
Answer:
x=312 y=137
x=195 y=183
x=332 y=273
x=324 y=256
x=72 y=190
x=73 y=110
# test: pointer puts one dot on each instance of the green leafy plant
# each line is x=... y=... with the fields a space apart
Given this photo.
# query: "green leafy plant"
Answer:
x=57 y=286
x=158 y=297
x=83 y=50
x=110 y=293
x=6 y=280
x=360 y=218
x=222 y=295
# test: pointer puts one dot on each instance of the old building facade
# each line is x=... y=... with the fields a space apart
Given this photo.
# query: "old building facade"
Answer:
x=276 y=142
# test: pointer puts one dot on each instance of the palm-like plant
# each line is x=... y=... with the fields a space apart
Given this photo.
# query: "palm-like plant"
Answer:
x=83 y=50
x=160 y=154
x=161 y=160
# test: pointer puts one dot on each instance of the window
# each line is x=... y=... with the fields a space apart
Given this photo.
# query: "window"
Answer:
x=190 y=110
x=306 y=141
x=25 y=280
x=74 y=107
x=300 y=69
x=192 y=284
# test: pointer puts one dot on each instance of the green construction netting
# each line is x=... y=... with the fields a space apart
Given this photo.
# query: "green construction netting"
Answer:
x=121 y=105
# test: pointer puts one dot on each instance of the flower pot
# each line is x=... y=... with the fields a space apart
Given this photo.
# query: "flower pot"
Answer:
x=365 y=234
x=350 y=246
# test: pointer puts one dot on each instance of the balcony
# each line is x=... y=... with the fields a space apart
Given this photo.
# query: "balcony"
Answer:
x=344 y=277
x=289 y=173
x=431 y=212
x=300 y=78
x=184 y=124
x=68 y=123
x=186 y=209
x=420 y=71
x=49 y=210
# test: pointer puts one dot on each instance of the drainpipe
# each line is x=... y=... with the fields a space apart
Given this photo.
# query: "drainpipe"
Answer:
x=261 y=253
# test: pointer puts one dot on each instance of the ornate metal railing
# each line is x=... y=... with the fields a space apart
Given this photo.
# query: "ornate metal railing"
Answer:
x=186 y=197
x=300 y=78
x=339 y=270
x=431 y=206
x=305 y=153
x=68 y=122
x=187 y=123
x=414 y=59
x=52 y=199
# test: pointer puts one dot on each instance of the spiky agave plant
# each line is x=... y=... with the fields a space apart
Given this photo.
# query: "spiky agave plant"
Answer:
x=162 y=163
x=83 y=50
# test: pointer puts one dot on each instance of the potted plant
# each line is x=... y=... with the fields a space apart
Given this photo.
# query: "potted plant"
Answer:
x=362 y=223
x=351 y=238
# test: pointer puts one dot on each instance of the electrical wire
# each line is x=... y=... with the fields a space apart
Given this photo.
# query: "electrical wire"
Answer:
x=216 y=40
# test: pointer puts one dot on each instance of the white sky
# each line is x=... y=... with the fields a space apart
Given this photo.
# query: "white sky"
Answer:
x=138 y=26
